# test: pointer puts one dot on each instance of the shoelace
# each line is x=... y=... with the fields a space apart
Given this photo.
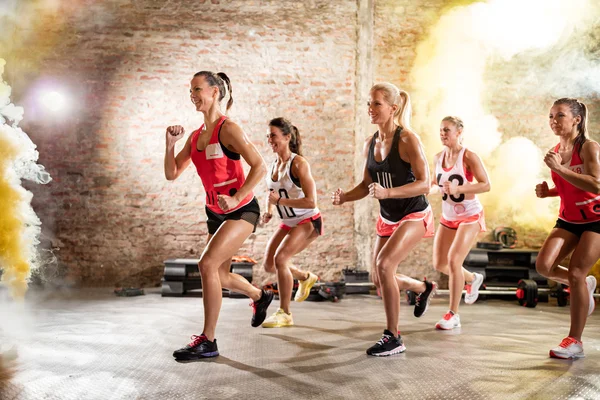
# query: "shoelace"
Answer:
x=448 y=316
x=253 y=305
x=196 y=340
x=566 y=342
x=384 y=339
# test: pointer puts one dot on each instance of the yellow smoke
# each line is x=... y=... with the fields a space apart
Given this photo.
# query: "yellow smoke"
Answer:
x=449 y=79
x=19 y=226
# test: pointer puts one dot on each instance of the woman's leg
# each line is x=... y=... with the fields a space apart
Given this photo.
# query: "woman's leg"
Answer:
x=441 y=246
x=586 y=254
x=460 y=247
x=296 y=240
x=395 y=250
x=559 y=244
x=222 y=246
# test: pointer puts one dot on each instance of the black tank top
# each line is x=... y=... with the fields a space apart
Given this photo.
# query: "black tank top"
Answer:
x=394 y=172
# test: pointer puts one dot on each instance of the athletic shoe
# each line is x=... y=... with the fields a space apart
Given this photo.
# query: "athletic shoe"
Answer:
x=423 y=299
x=473 y=289
x=200 y=347
x=387 y=345
x=591 y=287
x=448 y=322
x=278 y=320
x=304 y=287
x=568 y=349
x=260 y=308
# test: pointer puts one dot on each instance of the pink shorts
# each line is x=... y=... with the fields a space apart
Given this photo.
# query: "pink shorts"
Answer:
x=315 y=220
x=385 y=230
x=473 y=219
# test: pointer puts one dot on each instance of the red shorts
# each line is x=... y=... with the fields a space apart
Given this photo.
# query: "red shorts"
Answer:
x=473 y=219
x=385 y=230
x=316 y=220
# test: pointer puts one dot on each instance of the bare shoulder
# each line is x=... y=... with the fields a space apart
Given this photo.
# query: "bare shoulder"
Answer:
x=299 y=162
x=471 y=155
x=591 y=146
x=231 y=128
x=366 y=145
x=408 y=136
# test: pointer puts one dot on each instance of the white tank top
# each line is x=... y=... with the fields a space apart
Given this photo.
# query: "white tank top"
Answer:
x=289 y=188
x=455 y=207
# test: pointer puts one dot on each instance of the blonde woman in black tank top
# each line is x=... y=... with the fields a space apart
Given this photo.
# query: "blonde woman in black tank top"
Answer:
x=396 y=174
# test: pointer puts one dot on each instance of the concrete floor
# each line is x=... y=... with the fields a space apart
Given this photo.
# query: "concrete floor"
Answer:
x=77 y=345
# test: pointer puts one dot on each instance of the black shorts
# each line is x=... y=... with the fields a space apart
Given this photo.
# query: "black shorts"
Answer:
x=578 y=229
x=249 y=213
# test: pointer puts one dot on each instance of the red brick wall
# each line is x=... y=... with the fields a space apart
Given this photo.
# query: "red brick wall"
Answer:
x=127 y=66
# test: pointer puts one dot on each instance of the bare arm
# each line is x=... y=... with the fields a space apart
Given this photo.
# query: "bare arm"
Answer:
x=236 y=140
x=412 y=152
x=473 y=162
x=434 y=187
x=590 y=181
x=301 y=169
x=174 y=166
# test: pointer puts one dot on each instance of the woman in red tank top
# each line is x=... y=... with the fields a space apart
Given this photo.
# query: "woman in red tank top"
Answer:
x=232 y=210
x=575 y=170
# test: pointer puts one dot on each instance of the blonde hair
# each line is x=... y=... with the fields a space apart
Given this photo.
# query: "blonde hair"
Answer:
x=455 y=120
x=395 y=96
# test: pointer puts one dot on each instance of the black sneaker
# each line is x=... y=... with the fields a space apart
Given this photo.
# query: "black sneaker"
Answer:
x=260 y=307
x=200 y=347
x=387 y=345
x=423 y=299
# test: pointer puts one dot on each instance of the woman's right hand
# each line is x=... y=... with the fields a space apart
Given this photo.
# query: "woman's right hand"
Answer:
x=266 y=217
x=542 y=190
x=174 y=133
x=337 y=197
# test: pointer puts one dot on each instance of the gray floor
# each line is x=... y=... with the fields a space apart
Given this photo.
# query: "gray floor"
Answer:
x=97 y=346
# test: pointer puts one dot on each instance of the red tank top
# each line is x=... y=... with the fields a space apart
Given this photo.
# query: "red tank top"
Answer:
x=576 y=206
x=220 y=169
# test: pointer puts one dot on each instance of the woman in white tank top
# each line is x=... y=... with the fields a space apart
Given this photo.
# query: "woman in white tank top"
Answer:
x=462 y=216
x=293 y=193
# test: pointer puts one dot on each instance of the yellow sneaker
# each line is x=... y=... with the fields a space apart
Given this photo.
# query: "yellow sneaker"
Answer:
x=278 y=320
x=304 y=287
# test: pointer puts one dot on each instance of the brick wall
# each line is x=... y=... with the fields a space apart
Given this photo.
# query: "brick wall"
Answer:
x=109 y=211
x=127 y=66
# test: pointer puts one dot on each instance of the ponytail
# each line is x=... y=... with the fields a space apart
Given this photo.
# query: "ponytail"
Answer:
x=227 y=85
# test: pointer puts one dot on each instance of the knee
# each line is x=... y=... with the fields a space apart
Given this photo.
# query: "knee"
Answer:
x=543 y=267
x=385 y=268
x=454 y=264
x=576 y=277
x=269 y=266
x=281 y=260
x=206 y=266
x=439 y=266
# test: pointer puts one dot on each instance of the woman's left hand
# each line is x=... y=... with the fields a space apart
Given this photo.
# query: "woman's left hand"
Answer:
x=227 y=202
x=553 y=160
x=273 y=197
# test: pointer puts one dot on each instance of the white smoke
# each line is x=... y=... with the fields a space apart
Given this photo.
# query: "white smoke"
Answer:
x=449 y=78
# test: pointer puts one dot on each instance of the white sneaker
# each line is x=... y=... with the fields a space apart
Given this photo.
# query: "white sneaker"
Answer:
x=304 y=287
x=278 y=320
x=568 y=349
x=591 y=286
x=473 y=289
x=448 y=322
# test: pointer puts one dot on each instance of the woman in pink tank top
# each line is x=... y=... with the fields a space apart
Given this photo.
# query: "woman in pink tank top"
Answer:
x=575 y=168
x=232 y=210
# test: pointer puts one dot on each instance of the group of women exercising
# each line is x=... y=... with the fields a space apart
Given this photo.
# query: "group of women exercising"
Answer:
x=396 y=173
